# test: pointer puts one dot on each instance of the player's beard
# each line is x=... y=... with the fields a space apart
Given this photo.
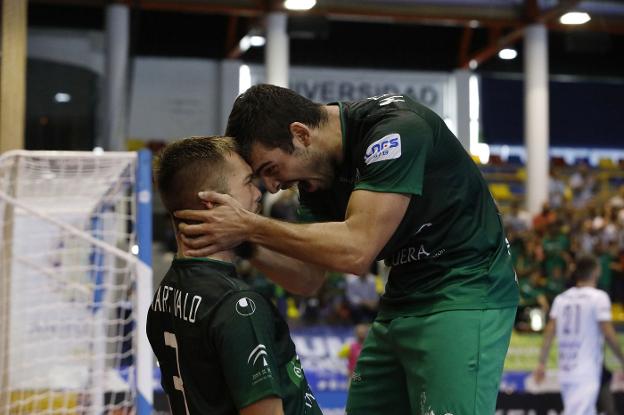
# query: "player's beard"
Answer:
x=318 y=166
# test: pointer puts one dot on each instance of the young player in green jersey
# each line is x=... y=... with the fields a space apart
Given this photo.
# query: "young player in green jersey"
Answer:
x=222 y=348
x=381 y=178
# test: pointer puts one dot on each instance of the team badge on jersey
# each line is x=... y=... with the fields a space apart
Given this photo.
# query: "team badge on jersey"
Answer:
x=245 y=306
x=386 y=148
x=258 y=352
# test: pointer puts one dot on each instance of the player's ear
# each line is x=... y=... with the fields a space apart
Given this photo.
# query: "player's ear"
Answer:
x=300 y=133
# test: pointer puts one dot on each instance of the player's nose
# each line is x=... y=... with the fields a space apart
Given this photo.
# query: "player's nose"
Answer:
x=272 y=185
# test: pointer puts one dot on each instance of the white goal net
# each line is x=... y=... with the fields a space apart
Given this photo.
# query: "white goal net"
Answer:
x=69 y=332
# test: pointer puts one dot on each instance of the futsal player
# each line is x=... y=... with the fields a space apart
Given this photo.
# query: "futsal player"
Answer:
x=581 y=319
x=222 y=348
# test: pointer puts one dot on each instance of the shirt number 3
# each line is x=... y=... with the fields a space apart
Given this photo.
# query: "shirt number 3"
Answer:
x=171 y=341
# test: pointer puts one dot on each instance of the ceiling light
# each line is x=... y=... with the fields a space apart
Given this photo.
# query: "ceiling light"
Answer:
x=507 y=54
x=299 y=4
x=257 y=41
x=251 y=41
x=575 y=18
x=245 y=43
x=62 y=97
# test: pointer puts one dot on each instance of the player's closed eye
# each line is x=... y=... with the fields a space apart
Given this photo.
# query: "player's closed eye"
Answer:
x=270 y=171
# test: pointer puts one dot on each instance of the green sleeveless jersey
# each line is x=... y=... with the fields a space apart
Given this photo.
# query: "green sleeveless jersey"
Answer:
x=221 y=346
x=449 y=252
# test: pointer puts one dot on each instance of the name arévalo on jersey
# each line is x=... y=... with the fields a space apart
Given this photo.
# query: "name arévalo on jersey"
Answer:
x=176 y=302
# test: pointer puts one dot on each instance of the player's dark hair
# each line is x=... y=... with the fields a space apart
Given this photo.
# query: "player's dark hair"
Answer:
x=185 y=167
x=586 y=265
x=264 y=113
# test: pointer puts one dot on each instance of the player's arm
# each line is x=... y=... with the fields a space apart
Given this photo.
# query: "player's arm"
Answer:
x=611 y=337
x=549 y=335
x=296 y=276
x=349 y=246
x=267 y=406
x=242 y=331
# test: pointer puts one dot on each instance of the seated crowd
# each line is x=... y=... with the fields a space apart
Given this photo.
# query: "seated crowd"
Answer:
x=578 y=219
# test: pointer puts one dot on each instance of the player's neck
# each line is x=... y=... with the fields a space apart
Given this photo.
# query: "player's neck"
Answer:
x=223 y=256
x=582 y=284
x=331 y=133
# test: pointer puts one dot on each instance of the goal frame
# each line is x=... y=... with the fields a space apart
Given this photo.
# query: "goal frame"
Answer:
x=142 y=261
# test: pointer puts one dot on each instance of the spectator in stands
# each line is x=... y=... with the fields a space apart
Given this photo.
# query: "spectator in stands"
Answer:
x=555 y=244
x=610 y=227
x=587 y=237
x=617 y=201
x=581 y=320
x=607 y=256
x=531 y=291
x=556 y=190
x=527 y=254
x=617 y=282
x=556 y=283
x=351 y=351
x=582 y=183
x=546 y=217
x=517 y=220
x=362 y=297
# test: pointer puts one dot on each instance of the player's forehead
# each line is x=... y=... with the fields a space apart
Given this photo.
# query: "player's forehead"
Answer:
x=262 y=156
x=238 y=165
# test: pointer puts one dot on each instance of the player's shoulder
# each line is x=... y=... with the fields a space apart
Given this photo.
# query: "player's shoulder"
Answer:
x=600 y=296
x=238 y=301
x=244 y=303
x=565 y=296
x=592 y=294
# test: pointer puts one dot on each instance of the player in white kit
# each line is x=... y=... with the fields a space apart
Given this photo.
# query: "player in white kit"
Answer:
x=581 y=319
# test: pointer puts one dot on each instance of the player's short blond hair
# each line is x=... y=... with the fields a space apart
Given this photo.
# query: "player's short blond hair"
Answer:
x=190 y=165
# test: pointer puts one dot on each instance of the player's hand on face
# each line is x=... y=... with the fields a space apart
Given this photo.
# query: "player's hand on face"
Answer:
x=220 y=228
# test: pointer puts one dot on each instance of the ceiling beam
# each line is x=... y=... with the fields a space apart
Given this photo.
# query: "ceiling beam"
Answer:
x=489 y=51
x=464 y=45
x=232 y=50
x=425 y=15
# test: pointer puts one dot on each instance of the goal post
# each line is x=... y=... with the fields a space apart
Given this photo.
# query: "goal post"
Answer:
x=75 y=282
x=144 y=283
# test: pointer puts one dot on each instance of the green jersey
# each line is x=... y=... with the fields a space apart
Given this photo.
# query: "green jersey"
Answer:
x=449 y=251
x=221 y=346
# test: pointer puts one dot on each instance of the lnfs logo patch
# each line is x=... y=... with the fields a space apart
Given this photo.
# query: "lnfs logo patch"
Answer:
x=386 y=148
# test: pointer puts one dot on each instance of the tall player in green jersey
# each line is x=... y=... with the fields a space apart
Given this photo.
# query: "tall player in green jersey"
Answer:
x=222 y=348
x=381 y=178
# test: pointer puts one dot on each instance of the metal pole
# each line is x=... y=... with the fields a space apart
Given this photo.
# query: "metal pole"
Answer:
x=462 y=102
x=116 y=94
x=277 y=54
x=536 y=127
x=144 y=292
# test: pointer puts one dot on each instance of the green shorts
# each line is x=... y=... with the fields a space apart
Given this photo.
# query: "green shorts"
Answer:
x=444 y=363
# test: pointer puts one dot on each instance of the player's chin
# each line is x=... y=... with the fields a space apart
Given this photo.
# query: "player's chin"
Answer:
x=309 y=185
